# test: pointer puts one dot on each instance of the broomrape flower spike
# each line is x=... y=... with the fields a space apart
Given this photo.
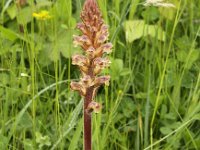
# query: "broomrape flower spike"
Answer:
x=94 y=43
x=42 y=15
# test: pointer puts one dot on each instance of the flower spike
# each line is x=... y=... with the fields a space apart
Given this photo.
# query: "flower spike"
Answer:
x=94 y=43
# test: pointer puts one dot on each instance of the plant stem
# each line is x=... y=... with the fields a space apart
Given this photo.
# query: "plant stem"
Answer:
x=87 y=120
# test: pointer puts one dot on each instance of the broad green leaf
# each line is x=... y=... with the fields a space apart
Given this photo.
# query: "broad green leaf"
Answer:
x=165 y=130
x=184 y=43
x=175 y=125
x=168 y=12
x=137 y=29
x=8 y=34
x=125 y=72
x=156 y=32
x=181 y=56
x=1 y=91
x=28 y=144
x=172 y=64
x=43 y=59
x=188 y=57
x=116 y=68
x=25 y=122
x=42 y=140
x=25 y=15
x=134 y=30
x=170 y=116
x=43 y=3
x=197 y=116
x=140 y=95
x=54 y=54
x=128 y=107
x=63 y=44
x=3 y=142
x=188 y=80
x=170 y=78
x=163 y=111
x=12 y=11
x=192 y=57
x=5 y=78
x=153 y=99
x=150 y=14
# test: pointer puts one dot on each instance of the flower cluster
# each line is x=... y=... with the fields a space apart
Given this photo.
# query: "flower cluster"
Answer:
x=93 y=41
x=158 y=3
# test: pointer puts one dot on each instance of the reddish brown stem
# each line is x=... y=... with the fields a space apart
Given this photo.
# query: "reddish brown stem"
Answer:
x=87 y=120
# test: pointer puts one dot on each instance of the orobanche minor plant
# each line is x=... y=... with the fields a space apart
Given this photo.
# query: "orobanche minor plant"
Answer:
x=94 y=43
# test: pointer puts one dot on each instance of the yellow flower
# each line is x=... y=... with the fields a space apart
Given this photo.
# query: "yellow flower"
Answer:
x=43 y=15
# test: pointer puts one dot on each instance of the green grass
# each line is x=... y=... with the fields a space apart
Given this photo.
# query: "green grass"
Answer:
x=153 y=101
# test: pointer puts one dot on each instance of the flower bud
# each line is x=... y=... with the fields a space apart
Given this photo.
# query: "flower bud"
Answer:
x=104 y=29
x=76 y=86
x=102 y=80
x=82 y=28
x=100 y=63
x=94 y=107
x=90 y=52
x=101 y=38
x=81 y=40
x=79 y=60
x=107 y=48
x=87 y=81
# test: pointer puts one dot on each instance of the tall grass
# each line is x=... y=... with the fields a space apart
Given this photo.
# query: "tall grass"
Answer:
x=151 y=103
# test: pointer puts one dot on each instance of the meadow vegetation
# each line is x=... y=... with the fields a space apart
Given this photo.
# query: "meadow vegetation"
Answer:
x=152 y=102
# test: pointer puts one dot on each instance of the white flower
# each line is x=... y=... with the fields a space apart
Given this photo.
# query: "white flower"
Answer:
x=158 y=3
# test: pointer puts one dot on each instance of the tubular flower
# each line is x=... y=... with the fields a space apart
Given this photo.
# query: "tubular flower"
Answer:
x=93 y=41
x=94 y=107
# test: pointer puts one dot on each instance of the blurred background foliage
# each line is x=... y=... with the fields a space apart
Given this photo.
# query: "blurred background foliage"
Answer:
x=153 y=101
